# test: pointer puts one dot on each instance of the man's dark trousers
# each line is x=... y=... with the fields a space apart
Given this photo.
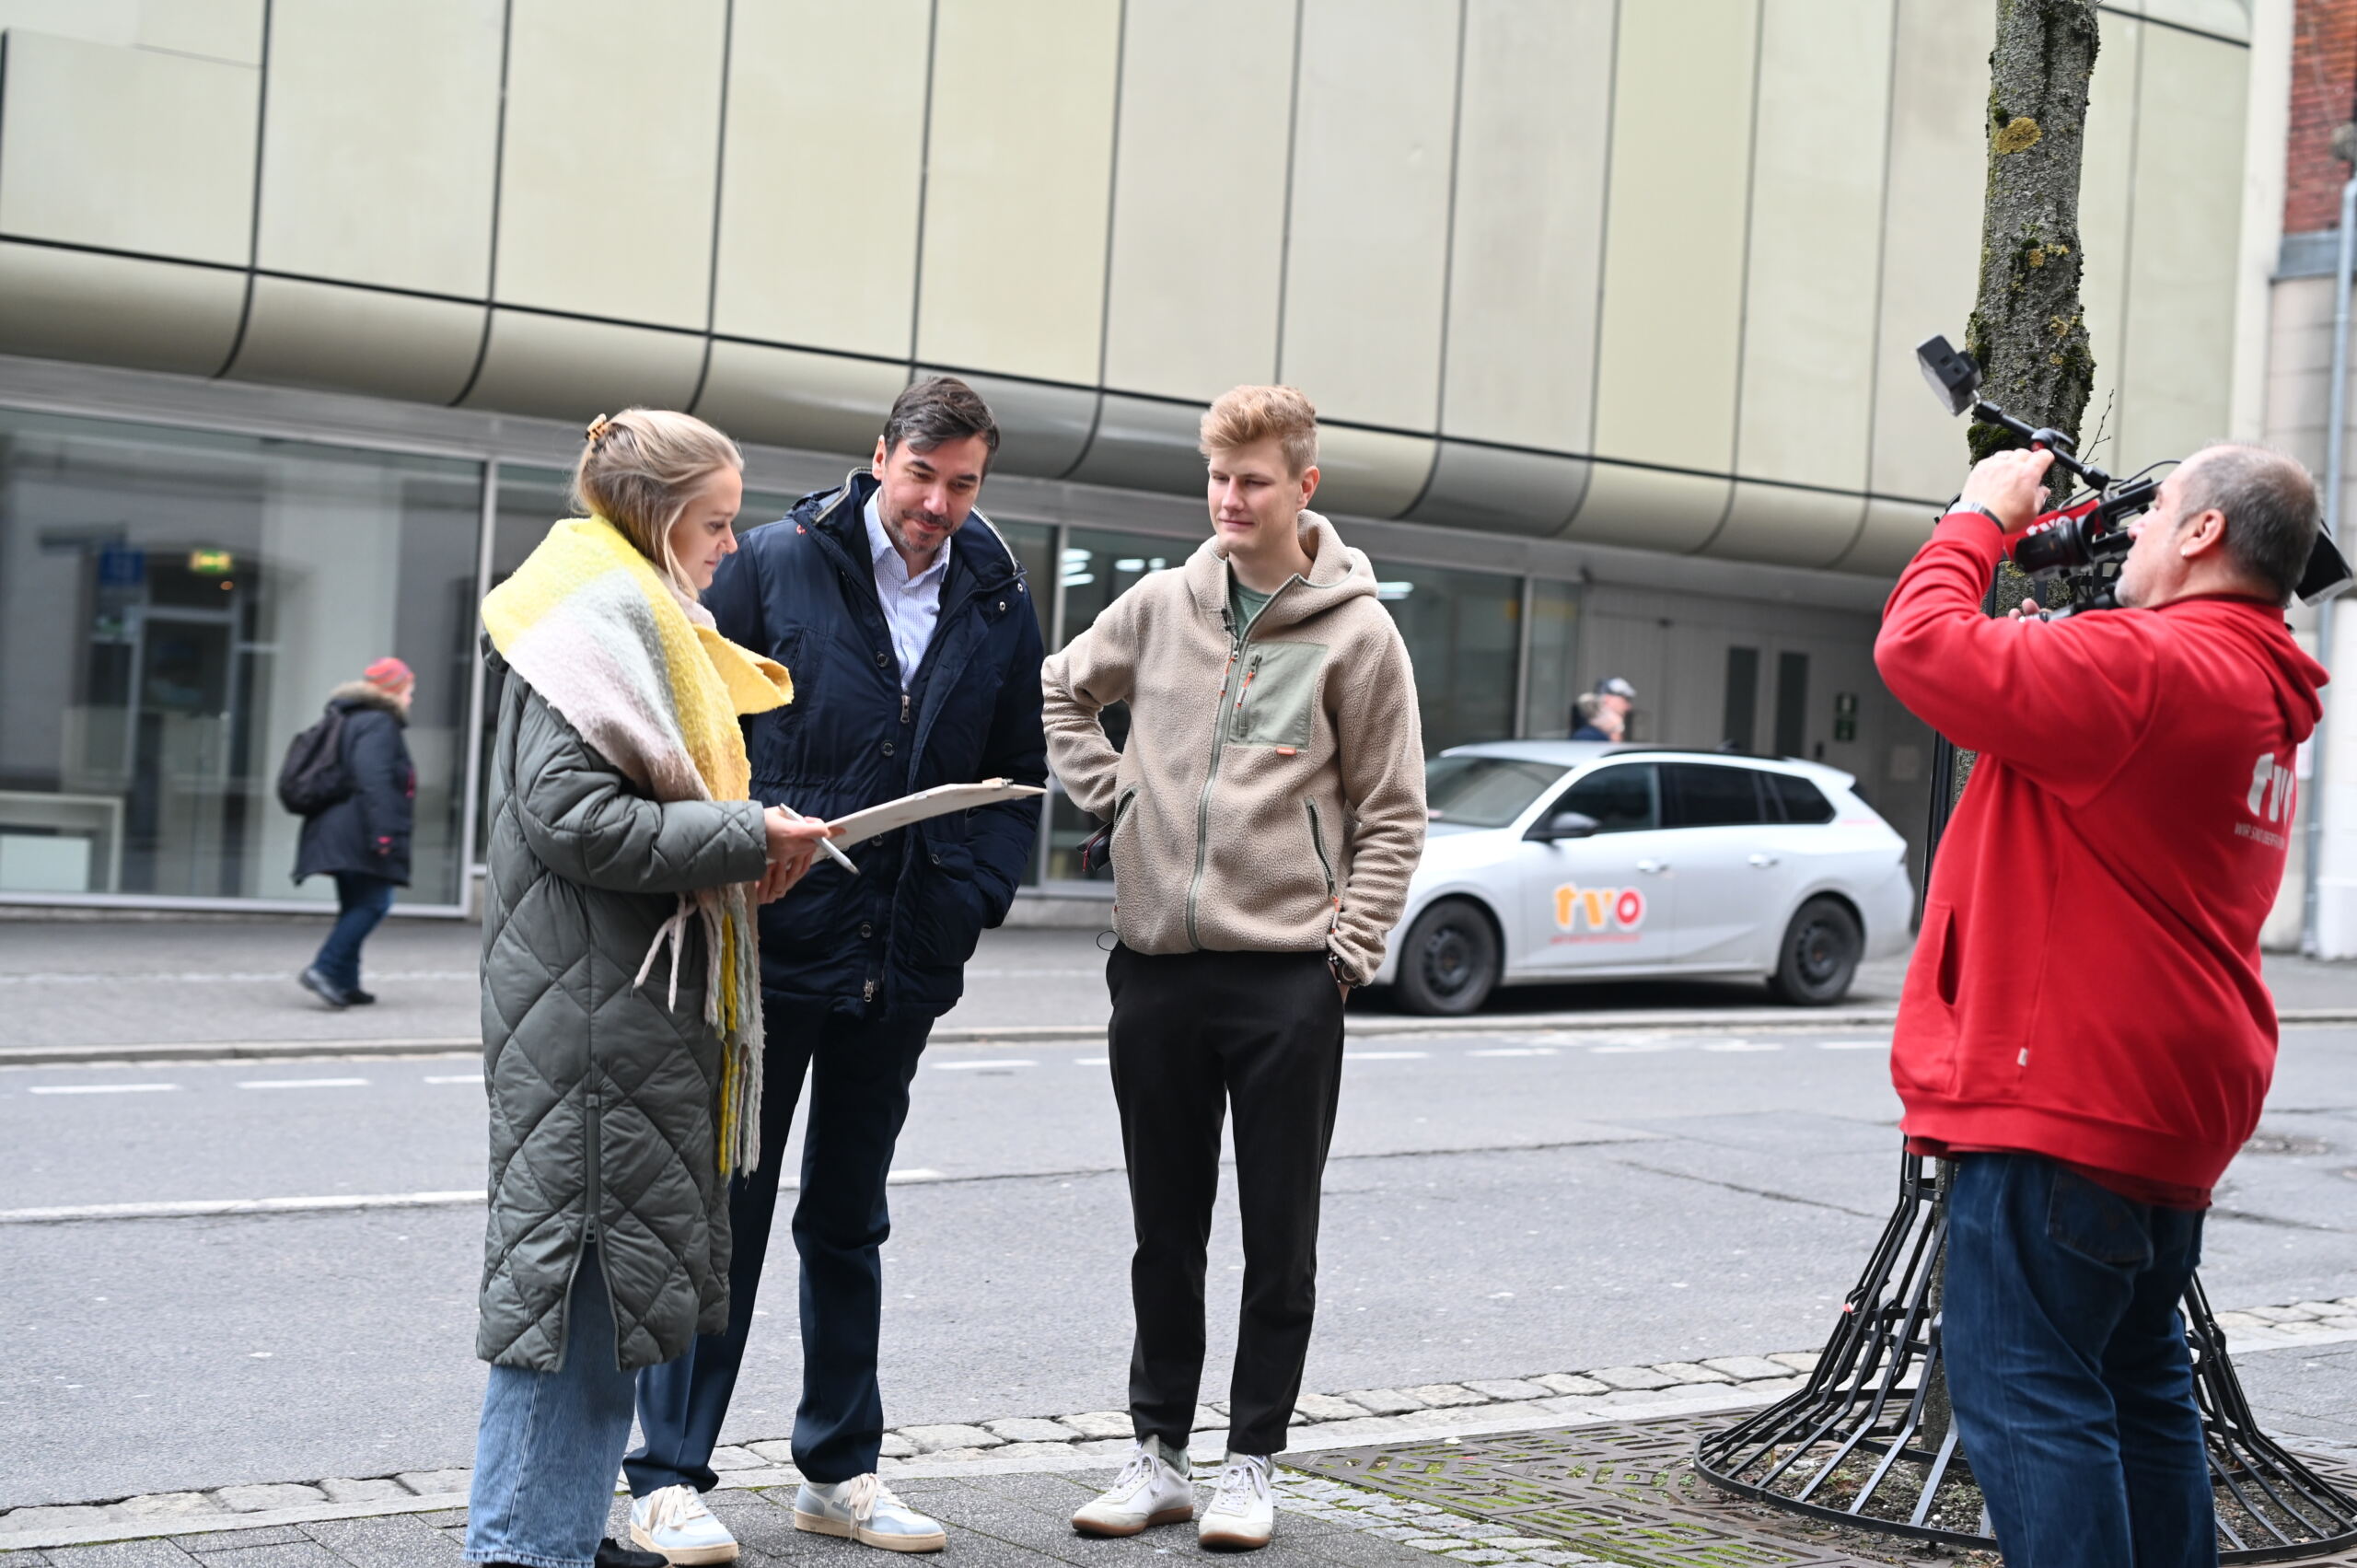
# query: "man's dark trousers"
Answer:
x=2067 y=1366
x=1193 y=1033
x=859 y=1071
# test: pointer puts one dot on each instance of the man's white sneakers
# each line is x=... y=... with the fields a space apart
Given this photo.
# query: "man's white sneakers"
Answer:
x=864 y=1509
x=674 y=1521
x=1244 y=1510
x=1153 y=1489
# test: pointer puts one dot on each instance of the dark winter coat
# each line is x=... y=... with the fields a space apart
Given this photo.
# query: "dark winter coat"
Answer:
x=367 y=830
x=896 y=937
x=604 y=1094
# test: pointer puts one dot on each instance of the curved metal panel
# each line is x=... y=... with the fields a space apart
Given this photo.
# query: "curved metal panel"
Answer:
x=1370 y=473
x=1042 y=430
x=1783 y=527
x=575 y=370
x=1145 y=444
x=1648 y=509
x=115 y=310
x=1894 y=531
x=1501 y=491
x=358 y=339
x=790 y=397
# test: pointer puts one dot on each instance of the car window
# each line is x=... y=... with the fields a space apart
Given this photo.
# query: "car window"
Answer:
x=1484 y=792
x=1619 y=797
x=1705 y=795
x=1802 y=801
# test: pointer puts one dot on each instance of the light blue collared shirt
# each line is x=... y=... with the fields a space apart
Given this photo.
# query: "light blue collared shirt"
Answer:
x=911 y=605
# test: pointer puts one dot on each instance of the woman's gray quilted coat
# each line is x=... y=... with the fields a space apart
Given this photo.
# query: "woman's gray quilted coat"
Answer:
x=604 y=1094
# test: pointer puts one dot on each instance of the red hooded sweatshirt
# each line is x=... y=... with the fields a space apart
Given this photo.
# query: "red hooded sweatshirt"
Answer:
x=2087 y=984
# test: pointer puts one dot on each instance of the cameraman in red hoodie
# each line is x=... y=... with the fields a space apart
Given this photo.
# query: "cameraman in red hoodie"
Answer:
x=2085 y=1032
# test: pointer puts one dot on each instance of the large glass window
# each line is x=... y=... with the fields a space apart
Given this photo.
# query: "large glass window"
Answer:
x=1484 y=792
x=1095 y=569
x=1619 y=797
x=1463 y=631
x=1554 y=647
x=174 y=608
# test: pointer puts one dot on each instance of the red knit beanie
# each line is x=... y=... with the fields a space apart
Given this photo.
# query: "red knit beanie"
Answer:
x=388 y=674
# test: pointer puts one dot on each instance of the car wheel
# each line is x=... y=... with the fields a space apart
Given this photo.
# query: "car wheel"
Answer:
x=1819 y=955
x=1449 y=962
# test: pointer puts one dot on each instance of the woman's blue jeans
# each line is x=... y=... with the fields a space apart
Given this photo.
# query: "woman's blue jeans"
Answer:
x=552 y=1443
x=362 y=901
x=2068 y=1368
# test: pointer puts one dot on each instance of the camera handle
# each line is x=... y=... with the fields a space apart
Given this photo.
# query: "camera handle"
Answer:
x=2065 y=451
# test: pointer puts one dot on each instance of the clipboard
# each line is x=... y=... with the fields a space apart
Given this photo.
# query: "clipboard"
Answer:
x=939 y=801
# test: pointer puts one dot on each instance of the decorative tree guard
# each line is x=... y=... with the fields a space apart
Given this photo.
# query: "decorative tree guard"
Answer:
x=1869 y=1443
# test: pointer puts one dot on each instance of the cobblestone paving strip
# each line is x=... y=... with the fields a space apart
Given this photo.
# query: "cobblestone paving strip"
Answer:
x=1020 y=1444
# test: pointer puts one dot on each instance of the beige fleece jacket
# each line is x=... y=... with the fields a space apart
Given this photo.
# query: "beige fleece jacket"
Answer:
x=1271 y=794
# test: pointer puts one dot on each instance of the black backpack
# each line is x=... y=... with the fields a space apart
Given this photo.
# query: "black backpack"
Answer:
x=314 y=776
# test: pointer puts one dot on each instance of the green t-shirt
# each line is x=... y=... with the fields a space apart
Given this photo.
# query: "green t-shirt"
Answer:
x=1243 y=603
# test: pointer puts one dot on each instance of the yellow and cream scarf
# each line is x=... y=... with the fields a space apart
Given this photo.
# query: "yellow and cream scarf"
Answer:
x=635 y=665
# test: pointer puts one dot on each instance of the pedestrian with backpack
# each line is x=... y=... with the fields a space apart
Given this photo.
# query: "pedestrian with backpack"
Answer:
x=349 y=777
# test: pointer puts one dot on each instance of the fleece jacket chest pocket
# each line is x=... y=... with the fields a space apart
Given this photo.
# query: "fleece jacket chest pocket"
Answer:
x=1276 y=703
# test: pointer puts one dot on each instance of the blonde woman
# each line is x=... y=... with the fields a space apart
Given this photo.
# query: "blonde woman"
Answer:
x=622 y=1005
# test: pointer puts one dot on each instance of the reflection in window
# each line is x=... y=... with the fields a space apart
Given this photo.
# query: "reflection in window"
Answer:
x=1554 y=645
x=174 y=608
x=1461 y=629
x=1619 y=797
x=1484 y=792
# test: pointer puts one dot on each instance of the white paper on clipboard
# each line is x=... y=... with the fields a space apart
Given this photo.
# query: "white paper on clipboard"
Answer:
x=939 y=801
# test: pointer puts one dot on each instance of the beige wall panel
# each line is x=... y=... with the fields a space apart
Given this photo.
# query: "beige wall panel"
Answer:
x=1145 y=444
x=358 y=339
x=2107 y=218
x=1020 y=172
x=1930 y=234
x=1369 y=473
x=343 y=199
x=127 y=148
x=1788 y=528
x=115 y=310
x=576 y=370
x=1199 y=196
x=95 y=21
x=1895 y=530
x=1370 y=208
x=816 y=149
x=614 y=133
x=1649 y=509
x=2180 y=329
x=1522 y=298
x=1673 y=246
x=220 y=30
x=1807 y=410
x=2227 y=18
x=787 y=398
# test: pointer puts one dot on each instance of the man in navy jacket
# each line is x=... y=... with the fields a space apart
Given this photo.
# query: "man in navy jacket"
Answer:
x=914 y=646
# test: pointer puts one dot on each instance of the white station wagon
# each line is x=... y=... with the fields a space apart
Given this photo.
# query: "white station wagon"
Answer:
x=1551 y=861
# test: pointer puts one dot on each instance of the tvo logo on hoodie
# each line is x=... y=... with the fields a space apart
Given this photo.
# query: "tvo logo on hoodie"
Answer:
x=1597 y=914
x=2274 y=793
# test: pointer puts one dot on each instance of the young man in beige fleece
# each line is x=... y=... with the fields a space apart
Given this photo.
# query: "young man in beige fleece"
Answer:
x=1267 y=813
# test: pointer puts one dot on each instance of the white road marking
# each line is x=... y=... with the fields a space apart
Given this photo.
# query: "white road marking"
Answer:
x=99 y=1088
x=474 y=1078
x=1092 y=1061
x=979 y=1066
x=1515 y=1051
x=915 y=1177
x=305 y=1084
x=1741 y=1045
x=1636 y=1047
x=149 y=977
x=1384 y=1055
x=1853 y=1045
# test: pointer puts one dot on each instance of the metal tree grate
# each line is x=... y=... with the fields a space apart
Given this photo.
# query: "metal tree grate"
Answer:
x=1869 y=1443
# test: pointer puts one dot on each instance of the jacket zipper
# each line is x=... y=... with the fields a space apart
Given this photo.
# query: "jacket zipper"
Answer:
x=593 y=1103
x=1244 y=692
x=1237 y=640
x=1318 y=842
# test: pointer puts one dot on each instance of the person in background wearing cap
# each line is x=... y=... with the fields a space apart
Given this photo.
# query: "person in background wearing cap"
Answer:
x=1593 y=714
x=361 y=839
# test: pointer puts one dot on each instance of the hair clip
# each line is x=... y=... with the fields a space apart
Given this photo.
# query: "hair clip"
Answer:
x=596 y=431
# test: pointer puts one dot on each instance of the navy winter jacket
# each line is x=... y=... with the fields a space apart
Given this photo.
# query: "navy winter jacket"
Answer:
x=894 y=938
x=367 y=830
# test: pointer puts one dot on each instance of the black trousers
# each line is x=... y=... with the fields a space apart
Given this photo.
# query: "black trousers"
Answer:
x=859 y=1072
x=1193 y=1033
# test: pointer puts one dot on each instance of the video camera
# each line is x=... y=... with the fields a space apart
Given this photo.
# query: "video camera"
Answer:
x=2088 y=533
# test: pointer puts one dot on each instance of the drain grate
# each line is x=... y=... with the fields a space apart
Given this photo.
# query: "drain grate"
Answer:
x=1627 y=1493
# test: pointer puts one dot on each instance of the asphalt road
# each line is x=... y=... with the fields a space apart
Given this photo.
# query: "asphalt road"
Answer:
x=1499 y=1204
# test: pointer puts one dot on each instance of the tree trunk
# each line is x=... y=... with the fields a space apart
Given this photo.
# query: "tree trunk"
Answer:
x=2027 y=330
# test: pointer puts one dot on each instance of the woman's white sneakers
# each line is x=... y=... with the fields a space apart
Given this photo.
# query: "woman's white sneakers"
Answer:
x=864 y=1509
x=674 y=1521
x=1153 y=1489
x=1244 y=1510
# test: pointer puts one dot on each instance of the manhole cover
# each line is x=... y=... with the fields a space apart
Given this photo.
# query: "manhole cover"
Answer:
x=1627 y=1493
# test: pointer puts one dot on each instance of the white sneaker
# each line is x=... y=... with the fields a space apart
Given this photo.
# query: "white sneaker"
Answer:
x=674 y=1521
x=1244 y=1510
x=864 y=1509
x=1152 y=1489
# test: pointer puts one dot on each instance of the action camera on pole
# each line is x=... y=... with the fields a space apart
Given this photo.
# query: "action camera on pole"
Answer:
x=2089 y=532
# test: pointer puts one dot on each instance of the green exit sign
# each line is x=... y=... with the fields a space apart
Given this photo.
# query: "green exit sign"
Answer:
x=212 y=562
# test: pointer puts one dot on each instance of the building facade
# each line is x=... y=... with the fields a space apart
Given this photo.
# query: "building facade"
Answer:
x=1608 y=307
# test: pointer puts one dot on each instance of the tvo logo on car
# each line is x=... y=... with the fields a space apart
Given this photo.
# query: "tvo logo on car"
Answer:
x=1597 y=914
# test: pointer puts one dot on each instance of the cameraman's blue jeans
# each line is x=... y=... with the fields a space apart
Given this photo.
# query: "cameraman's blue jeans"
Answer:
x=2067 y=1364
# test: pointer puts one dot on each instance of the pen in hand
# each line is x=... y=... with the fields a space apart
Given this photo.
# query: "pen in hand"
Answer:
x=827 y=847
